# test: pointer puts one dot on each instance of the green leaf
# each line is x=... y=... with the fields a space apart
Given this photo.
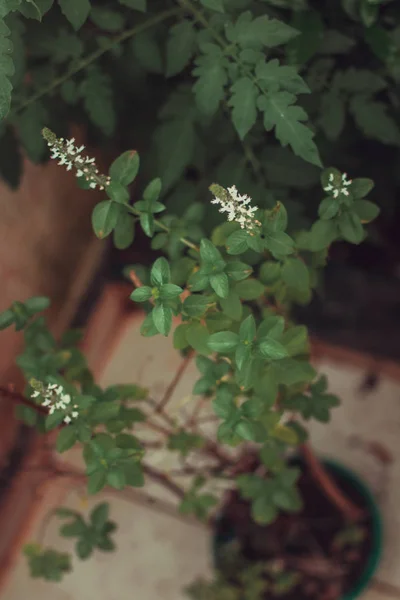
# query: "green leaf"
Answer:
x=168 y=291
x=223 y=341
x=96 y=482
x=107 y=19
x=125 y=168
x=333 y=114
x=248 y=430
x=209 y=253
x=322 y=235
x=295 y=340
x=196 y=305
x=117 y=192
x=211 y=80
x=37 y=304
x=250 y=289
x=6 y=70
x=140 y=5
x=270 y=272
x=116 y=478
x=31 y=9
x=173 y=160
x=134 y=474
x=247 y=330
x=263 y=511
x=152 y=190
x=365 y=210
x=216 y=5
x=295 y=274
x=304 y=46
x=66 y=439
x=99 y=515
x=272 y=74
x=279 y=243
x=261 y=31
x=371 y=116
x=350 y=227
x=160 y=272
x=104 y=217
x=162 y=317
x=361 y=187
x=124 y=231
x=232 y=306
x=272 y=349
x=76 y=11
x=220 y=284
x=237 y=270
x=328 y=208
x=106 y=411
x=243 y=103
x=237 y=242
x=197 y=336
x=280 y=113
x=30 y=124
x=84 y=548
x=180 y=341
x=26 y=414
x=54 y=420
x=141 y=294
x=96 y=91
x=181 y=44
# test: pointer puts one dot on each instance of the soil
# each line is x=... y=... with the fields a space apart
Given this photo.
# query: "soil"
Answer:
x=307 y=543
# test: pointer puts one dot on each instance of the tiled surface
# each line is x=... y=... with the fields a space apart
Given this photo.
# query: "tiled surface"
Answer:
x=157 y=554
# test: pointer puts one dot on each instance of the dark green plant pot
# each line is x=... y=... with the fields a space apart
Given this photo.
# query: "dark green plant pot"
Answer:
x=376 y=530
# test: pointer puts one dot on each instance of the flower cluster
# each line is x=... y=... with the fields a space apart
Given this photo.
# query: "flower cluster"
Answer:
x=237 y=206
x=71 y=157
x=54 y=398
x=338 y=189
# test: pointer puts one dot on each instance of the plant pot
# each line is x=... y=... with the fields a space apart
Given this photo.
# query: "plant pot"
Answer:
x=225 y=534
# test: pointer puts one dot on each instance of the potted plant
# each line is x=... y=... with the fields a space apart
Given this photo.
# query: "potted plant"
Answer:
x=230 y=293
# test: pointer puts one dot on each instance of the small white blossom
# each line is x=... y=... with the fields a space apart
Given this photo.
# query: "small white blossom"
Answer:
x=54 y=398
x=237 y=208
x=71 y=157
x=338 y=189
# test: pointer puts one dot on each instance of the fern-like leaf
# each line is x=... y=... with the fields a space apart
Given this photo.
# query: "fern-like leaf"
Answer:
x=212 y=77
x=243 y=102
x=280 y=112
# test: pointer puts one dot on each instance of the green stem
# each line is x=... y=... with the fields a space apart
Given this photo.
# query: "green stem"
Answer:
x=96 y=54
x=164 y=227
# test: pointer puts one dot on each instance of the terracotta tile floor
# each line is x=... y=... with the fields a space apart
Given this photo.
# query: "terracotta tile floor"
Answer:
x=157 y=553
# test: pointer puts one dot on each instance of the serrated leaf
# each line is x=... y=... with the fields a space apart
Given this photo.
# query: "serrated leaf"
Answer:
x=104 y=217
x=180 y=47
x=280 y=112
x=243 y=103
x=328 y=208
x=333 y=114
x=174 y=158
x=125 y=168
x=160 y=272
x=96 y=91
x=107 y=19
x=162 y=317
x=261 y=31
x=220 y=284
x=232 y=306
x=371 y=116
x=6 y=69
x=304 y=46
x=76 y=11
x=273 y=76
x=279 y=243
x=211 y=80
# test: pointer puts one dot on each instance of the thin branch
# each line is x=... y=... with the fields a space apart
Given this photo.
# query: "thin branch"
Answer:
x=172 y=386
x=85 y=62
x=328 y=485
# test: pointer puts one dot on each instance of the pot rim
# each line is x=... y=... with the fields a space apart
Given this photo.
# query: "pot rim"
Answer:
x=375 y=554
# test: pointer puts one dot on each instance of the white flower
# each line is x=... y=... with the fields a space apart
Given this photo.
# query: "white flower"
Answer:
x=54 y=398
x=237 y=208
x=338 y=189
x=71 y=157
